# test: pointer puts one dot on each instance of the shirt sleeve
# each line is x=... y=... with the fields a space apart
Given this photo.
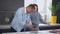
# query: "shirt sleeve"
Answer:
x=18 y=21
x=29 y=20
x=41 y=20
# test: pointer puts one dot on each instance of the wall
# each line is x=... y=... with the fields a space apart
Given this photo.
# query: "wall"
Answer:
x=8 y=9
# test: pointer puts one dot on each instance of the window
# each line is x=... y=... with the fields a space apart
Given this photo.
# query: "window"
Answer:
x=43 y=7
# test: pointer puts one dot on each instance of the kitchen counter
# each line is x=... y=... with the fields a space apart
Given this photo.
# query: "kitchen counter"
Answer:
x=40 y=26
x=38 y=32
x=5 y=26
x=46 y=27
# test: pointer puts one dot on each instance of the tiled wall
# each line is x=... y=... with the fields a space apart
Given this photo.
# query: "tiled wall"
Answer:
x=8 y=9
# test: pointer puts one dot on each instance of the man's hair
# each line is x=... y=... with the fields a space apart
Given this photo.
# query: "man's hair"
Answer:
x=32 y=6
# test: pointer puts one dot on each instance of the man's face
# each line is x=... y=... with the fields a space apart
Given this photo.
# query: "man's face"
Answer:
x=29 y=9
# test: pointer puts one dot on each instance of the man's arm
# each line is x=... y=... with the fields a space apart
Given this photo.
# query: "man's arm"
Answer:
x=17 y=22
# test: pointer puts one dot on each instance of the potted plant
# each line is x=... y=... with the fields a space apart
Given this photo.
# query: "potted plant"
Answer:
x=53 y=9
x=53 y=17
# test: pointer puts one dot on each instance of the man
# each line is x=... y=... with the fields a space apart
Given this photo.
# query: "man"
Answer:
x=36 y=17
x=22 y=20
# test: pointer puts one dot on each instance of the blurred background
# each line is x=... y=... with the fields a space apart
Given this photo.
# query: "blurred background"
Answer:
x=9 y=7
x=7 y=12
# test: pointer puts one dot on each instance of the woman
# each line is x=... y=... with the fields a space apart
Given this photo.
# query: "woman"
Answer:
x=36 y=17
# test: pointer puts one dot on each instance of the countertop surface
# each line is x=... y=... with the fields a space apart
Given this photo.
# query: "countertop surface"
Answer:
x=38 y=32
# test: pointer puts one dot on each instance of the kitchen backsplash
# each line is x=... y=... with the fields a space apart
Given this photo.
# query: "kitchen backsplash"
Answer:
x=8 y=9
x=6 y=17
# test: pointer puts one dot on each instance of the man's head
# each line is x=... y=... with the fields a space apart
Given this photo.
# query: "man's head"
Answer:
x=30 y=8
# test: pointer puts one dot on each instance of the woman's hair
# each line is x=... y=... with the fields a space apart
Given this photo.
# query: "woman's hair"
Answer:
x=32 y=6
